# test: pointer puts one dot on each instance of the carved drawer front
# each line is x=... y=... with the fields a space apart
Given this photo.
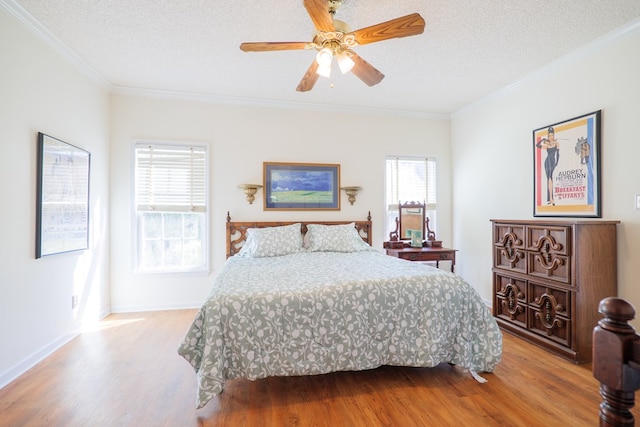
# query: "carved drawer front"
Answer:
x=556 y=240
x=510 y=299
x=545 y=322
x=549 y=266
x=548 y=252
x=549 y=299
x=509 y=245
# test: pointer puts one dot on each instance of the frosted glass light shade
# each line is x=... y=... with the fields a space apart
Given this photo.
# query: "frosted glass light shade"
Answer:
x=345 y=63
x=324 y=56
x=324 y=70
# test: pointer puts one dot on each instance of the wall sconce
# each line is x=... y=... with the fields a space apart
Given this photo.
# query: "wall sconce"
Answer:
x=352 y=192
x=250 y=191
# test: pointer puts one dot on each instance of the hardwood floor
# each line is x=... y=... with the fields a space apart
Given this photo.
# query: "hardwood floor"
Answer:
x=126 y=372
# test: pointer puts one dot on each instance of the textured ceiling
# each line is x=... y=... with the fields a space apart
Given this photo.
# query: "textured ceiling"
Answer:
x=469 y=49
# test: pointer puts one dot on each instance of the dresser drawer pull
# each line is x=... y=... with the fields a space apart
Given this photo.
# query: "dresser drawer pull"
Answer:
x=509 y=240
x=547 y=243
x=558 y=306
x=548 y=263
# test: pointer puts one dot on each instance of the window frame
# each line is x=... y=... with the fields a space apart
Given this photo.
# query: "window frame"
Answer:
x=431 y=203
x=205 y=267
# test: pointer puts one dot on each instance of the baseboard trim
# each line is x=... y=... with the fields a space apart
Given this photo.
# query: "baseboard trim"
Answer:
x=141 y=308
x=20 y=368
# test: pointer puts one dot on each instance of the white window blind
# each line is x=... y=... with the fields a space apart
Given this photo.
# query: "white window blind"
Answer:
x=410 y=179
x=171 y=207
x=170 y=178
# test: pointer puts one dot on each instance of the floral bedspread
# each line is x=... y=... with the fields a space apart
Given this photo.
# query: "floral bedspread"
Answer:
x=314 y=313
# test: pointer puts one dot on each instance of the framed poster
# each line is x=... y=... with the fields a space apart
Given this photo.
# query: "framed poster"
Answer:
x=301 y=186
x=62 y=211
x=566 y=168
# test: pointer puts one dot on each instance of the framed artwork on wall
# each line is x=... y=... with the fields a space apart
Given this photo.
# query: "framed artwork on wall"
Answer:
x=301 y=186
x=62 y=210
x=566 y=168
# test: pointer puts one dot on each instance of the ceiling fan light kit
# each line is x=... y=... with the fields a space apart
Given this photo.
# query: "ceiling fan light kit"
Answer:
x=334 y=39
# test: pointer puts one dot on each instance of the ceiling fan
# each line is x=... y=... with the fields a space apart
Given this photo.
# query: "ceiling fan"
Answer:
x=333 y=38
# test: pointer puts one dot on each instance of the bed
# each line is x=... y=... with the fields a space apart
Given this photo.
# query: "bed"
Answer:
x=307 y=298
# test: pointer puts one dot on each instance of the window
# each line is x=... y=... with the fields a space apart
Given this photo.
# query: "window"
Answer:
x=171 y=207
x=410 y=179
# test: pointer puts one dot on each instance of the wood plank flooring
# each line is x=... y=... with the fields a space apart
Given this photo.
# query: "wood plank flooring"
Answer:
x=126 y=372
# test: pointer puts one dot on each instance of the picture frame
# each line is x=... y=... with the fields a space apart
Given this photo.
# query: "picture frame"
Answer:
x=62 y=211
x=416 y=238
x=301 y=186
x=566 y=168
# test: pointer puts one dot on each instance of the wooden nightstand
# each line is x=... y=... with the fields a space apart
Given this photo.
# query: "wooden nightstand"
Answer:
x=425 y=254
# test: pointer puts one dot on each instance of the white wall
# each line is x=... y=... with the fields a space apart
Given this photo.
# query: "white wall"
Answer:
x=41 y=92
x=241 y=138
x=492 y=153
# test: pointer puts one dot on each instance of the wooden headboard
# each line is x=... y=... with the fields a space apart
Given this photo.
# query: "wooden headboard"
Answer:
x=237 y=231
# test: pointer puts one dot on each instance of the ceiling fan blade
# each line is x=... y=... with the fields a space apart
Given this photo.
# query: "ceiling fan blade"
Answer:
x=272 y=46
x=318 y=10
x=365 y=71
x=409 y=25
x=309 y=79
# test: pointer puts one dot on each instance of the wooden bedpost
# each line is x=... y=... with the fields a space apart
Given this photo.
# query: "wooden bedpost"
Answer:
x=615 y=363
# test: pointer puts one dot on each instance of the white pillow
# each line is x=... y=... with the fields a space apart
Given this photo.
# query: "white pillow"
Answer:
x=335 y=238
x=272 y=241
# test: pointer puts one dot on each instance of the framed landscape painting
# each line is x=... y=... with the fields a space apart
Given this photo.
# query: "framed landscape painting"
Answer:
x=566 y=168
x=62 y=209
x=301 y=186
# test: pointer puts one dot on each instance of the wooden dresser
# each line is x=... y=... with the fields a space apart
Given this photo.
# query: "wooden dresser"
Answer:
x=549 y=277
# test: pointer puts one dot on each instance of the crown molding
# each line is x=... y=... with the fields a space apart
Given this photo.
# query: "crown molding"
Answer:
x=37 y=28
x=42 y=32
x=580 y=53
x=67 y=53
x=271 y=103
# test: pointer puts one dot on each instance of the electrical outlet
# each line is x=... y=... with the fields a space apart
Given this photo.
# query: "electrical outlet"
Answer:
x=74 y=301
x=637 y=201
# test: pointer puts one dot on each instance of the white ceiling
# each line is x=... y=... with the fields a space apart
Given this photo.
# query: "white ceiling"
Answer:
x=469 y=49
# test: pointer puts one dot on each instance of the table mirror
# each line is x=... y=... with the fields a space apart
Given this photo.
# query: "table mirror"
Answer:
x=411 y=216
